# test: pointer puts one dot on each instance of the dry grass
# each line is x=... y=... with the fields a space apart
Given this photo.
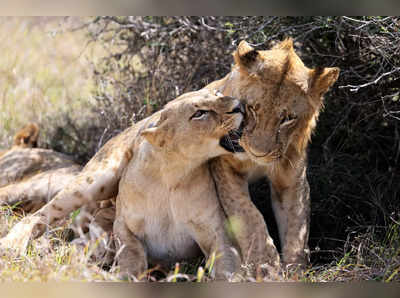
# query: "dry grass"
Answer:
x=50 y=258
x=44 y=70
x=364 y=257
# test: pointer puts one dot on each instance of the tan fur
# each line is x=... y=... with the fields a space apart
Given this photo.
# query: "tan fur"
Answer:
x=27 y=137
x=284 y=99
x=29 y=176
x=23 y=160
x=21 y=163
x=167 y=207
x=30 y=194
x=95 y=224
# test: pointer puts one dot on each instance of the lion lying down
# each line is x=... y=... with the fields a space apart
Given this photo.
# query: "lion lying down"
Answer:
x=26 y=137
x=167 y=206
x=31 y=176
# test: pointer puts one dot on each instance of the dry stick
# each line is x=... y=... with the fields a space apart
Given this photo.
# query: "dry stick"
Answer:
x=354 y=88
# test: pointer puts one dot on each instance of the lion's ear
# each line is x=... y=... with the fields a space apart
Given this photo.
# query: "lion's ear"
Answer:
x=156 y=133
x=154 y=136
x=321 y=79
x=245 y=55
x=286 y=44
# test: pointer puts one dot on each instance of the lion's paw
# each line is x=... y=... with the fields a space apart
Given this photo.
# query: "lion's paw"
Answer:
x=19 y=236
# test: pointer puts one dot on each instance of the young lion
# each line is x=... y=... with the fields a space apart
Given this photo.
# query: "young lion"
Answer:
x=167 y=207
x=26 y=137
x=31 y=176
x=284 y=99
x=24 y=160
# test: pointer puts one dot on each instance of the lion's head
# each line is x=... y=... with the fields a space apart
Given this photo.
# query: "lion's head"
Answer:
x=27 y=137
x=194 y=125
x=284 y=99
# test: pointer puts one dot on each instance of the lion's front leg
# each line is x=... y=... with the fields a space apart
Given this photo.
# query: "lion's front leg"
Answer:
x=131 y=252
x=248 y=225
x=291 y=205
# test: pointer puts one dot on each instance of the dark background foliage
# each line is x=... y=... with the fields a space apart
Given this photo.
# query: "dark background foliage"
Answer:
x=354 y=155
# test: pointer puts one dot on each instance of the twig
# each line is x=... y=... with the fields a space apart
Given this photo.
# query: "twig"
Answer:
x=355 y=88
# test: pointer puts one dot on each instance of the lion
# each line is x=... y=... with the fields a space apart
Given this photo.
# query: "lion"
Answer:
x=33 y=192
x=22 y=163
x=167 y=208
x=24 y=159
x=31 y=176
x=283 y=99
x=26 y=137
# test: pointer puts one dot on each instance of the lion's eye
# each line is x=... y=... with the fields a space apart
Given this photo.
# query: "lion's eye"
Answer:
x=200 y=114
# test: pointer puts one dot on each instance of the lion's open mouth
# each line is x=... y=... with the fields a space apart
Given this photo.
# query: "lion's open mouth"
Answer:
x=231 y=141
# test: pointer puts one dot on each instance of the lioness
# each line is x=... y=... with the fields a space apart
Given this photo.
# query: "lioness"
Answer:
x=24 y=160
x=167 y=207
x=26 y=137
x=31 y=176
x=284 y=99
